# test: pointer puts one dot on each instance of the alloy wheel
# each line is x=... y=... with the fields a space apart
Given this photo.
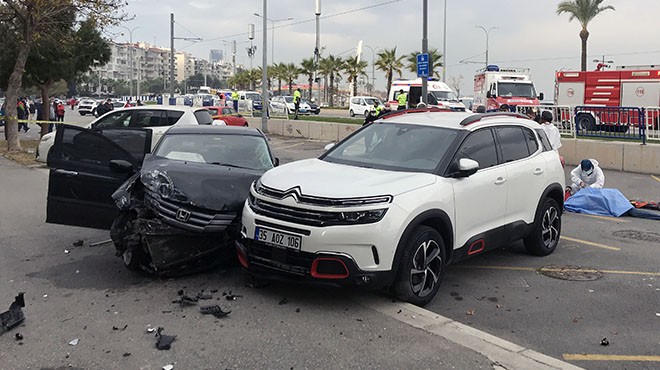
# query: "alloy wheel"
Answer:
x=426 y=268
x=550 y=227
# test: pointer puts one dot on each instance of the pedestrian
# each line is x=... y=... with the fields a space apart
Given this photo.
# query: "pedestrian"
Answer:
x=296 y=102
x=505 y=108
x=402 y=98
x=139 y=103
x=59 y=111
x=533 y=114
x=22 y=113
x=377 y=112
x=31 y=108
x=222 y=102
x=234 y=99
x=72 y=103
x=587 y=175
x=481 y=109
x=551 y=131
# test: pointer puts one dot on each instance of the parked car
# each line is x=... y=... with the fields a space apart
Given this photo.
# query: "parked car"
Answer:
x=228 y=115
x=285 y=104
x=157 y=118
x=87 y=106
x=313 y=107
x=362 y=105
x=394 y=203
x=159 y=220
x=252 y=96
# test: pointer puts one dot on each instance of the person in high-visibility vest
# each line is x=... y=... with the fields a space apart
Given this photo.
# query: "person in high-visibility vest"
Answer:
x=234 y=98
x=402 y=98
x=296 y=101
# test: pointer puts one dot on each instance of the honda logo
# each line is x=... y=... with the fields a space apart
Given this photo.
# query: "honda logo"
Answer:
x=182 y=215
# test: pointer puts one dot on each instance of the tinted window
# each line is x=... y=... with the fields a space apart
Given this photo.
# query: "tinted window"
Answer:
x=114 y=120
x=479 y=146
x=173 y=116
x=532 y=144
x=149 y=118
x=88 y=147
x=228 y=111
x=512 y=143
x=544 y=140
x=203 y=117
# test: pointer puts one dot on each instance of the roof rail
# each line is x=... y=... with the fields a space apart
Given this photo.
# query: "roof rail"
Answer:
x=479 y=116
x=397 y=113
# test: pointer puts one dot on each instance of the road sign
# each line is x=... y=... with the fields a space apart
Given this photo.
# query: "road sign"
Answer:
x=423 y=65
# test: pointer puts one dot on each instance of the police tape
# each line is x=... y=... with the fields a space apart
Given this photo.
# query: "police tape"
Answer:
x=38 y=122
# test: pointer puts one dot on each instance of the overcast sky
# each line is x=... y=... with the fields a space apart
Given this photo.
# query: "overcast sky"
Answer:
x=529 y=32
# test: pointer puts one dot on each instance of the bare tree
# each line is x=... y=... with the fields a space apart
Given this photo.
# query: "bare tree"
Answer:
x=30 y=20
x=455 y=83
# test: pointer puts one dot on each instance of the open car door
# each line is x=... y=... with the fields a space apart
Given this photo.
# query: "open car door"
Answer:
x=86 y=167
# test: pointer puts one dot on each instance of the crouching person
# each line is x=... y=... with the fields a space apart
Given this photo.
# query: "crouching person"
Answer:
x=587 y=175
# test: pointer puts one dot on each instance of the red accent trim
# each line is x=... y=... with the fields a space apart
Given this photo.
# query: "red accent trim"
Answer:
x=242 y=258
x=483 y=245
x=317 y=275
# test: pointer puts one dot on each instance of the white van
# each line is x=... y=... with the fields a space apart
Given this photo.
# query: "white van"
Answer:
x=362 y=105
x=439 y=94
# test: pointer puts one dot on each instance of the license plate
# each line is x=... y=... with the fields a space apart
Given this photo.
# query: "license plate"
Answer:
x=278 y=238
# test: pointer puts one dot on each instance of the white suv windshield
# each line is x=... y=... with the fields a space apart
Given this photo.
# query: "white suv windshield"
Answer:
x=397 y=147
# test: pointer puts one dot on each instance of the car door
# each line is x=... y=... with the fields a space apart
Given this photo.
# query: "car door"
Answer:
x=525 y=170
x=84 y=173
x=480 y=199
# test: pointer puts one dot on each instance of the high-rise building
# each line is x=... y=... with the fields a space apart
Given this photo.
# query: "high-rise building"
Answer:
x=216 y=55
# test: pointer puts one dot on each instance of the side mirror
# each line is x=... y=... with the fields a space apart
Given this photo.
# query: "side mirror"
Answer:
x=120 y=166
x=489 y=95
x=464 y=168
x=541 y=96
x=218 y=122
x=329 y=146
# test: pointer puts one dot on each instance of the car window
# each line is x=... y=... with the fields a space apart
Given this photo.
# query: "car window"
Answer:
x=91 y=148
x=512 y=143
x=479 y=146
x=173 y=116
x=532 y=144
x=214 y=111
x=203 y=117
x=114 y=120
x=227 y=111
x=545 y=142
x=149 y=118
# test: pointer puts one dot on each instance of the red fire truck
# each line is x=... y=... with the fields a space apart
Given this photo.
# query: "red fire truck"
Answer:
x=628 y=88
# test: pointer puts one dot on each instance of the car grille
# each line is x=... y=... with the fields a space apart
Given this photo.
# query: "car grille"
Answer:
x=189 y=218
x=293 y=214
x=319 y=201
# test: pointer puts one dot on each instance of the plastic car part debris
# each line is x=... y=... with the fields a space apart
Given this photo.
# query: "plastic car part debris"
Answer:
x=151 y=330
x=214 y=310
x=186 y=301
x=101 y=243
x=66 y=251
x=164 y=342
x=74 y=342
x=298 y=310
x=18 y=336
x=283 y=301
x=79 y=243
x=204 y=296
x=126 y=354
x=122 y=329
x=14 y=316
x=168 y=367
x=604 y=342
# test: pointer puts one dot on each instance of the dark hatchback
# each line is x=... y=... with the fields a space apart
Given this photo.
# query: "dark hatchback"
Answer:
x=176 y=210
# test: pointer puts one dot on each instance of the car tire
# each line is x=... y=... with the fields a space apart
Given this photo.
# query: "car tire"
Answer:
x=544 y=237
x=132 y=255
x=586 y=122
x=366 y=113
x=421 y=268
x=82 y=113
x=351 y=113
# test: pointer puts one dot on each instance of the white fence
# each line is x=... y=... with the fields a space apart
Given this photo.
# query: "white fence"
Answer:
x=562 y=116
x=652 y=123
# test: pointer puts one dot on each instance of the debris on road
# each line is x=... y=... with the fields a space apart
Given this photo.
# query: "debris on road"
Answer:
x=121 y=329
x=214 y=310
x=164 y=342
x=18 y=336
x=79 y=243
x=66 y=251
x=604 y=342
x=470 y=312
x=100 y=243
x=204 y=296
x=186 y=300
x=283 y=301
x=74 y=342
x=168 y=367
x=231 y=297
x=126 y=354
x=14 y=316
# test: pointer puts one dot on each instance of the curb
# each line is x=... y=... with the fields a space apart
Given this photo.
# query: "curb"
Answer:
x=501 y=352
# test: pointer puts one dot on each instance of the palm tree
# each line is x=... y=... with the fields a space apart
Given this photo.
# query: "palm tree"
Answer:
x=290 y=73
x=434 y=56
x=254 y=76
x=354 y=69
x=331 y=67
x=584 y=11
x=308 y=68
x=389 y=63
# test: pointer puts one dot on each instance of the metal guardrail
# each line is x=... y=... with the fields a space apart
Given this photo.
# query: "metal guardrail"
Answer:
x=627 y=123
x=562 y=116
x=652 y=122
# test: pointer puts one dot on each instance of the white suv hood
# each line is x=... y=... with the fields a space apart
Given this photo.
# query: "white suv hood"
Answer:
x=330 y=180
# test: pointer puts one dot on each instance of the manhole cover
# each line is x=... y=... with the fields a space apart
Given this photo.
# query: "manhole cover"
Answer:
x=571 y=273
x=638 y=235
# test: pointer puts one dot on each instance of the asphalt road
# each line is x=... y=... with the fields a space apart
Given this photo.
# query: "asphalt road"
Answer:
x=85 y=292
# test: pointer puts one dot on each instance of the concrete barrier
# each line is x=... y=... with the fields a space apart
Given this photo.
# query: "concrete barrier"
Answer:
x=612 y=155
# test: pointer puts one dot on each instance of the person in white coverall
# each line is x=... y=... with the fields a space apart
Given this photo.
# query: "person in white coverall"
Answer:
x=551 y=131
x=587 y=175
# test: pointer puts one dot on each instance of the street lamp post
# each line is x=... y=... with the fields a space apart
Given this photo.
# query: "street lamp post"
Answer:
x=272 y=42
x=487 y=32
x=130 y=41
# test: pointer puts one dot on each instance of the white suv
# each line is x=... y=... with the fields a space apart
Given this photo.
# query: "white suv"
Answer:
x=394 y=203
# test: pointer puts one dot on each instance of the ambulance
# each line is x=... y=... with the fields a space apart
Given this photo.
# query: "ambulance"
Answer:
x=439 y=94
x=494 y=86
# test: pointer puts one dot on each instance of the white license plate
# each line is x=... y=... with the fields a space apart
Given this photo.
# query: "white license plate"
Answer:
x=278 y=238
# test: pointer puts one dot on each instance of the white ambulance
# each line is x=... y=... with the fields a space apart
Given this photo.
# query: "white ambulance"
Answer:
x=439 y=94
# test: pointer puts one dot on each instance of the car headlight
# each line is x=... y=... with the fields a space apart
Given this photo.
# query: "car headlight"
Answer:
x=157 y=182
x=363 y=217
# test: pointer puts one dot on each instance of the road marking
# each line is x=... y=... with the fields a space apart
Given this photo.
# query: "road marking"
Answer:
x=597 y=357
x=606 y=218
x=656 y=178
x=590 y=243
x=535 y=269
x=290 y=146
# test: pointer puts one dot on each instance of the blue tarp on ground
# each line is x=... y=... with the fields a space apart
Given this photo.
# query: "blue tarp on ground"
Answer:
x=601 y=202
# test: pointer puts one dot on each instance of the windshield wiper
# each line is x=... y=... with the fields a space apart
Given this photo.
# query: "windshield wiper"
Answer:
x=229 y=165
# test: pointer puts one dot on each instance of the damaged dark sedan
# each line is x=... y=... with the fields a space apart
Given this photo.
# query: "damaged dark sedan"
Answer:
x=175 y=210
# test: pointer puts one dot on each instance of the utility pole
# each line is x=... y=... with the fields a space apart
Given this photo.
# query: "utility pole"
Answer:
x=251 y=50
x=425 y=50
x=233 y=55
x=172 y=38
x=317 y=49
x=444 y=45
x=264 y=73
